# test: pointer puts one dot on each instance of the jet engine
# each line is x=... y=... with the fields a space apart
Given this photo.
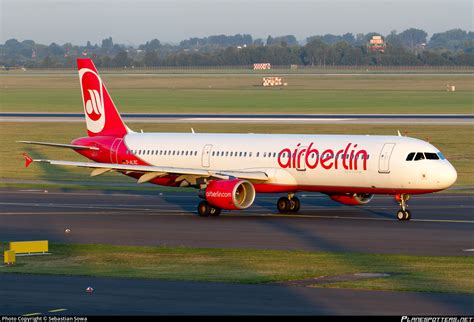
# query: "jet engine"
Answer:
x=229 y=194
x=353 y=199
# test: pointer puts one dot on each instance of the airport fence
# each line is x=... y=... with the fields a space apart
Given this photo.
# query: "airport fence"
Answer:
x=274 y=68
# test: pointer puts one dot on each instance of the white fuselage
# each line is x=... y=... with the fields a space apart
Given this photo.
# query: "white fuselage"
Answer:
x=351 y=163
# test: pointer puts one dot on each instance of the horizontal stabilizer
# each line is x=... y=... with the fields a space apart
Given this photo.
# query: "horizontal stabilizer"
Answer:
x=28 y=160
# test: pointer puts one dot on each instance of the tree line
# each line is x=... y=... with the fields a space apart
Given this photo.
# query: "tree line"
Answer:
x=407 y=48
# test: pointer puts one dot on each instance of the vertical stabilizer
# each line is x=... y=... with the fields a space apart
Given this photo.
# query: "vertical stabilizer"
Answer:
x=102 y=117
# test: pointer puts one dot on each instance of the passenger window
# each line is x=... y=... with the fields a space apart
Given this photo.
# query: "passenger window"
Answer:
x=226 y=153
x=419 y=156
x=431 y=156
x=410 y=156
x=258 y=153
x=250 y=154
x=245 y=154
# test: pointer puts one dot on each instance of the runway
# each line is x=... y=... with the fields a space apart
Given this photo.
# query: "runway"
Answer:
x=66 y=295
x=442 y=224
x=438 y=119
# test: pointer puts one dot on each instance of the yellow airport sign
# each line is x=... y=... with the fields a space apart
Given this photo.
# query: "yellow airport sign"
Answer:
x=9 y=257
x=28 y=247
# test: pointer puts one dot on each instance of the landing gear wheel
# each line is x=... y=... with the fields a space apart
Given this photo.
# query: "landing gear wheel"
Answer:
x=404 y=215
x=204 y=209
x=400 y=215
x=215 y=211
x=283 y=205
x=407 y=215
x=295 y=205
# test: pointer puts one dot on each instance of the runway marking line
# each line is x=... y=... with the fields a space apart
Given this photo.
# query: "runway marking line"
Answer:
x=33 y=314
x=252 y=215
x=468 y=250
x=57 y=310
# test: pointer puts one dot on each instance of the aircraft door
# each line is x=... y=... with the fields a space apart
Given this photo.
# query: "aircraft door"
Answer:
x=114 y=148
x=301 y=158
x=384 y=159
x=206 y=155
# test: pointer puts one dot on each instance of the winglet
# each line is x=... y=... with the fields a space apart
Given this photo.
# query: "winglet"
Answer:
x=28 y=159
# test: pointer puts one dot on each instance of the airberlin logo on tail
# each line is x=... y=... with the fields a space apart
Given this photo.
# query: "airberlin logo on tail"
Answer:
x=348 y=158
x=92 y=95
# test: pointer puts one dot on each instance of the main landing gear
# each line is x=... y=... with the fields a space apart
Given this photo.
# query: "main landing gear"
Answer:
x=288 y=204
x=403 y=213
x=205 y=209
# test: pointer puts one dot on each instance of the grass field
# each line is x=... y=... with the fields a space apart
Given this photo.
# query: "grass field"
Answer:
x=456 y=142
x=244 y=94
x=407 y=273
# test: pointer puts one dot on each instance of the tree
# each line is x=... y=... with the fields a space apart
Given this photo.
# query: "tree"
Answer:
x=452 y=39
x=150 y=59
x=412 y=37
x=121 y=60
x=107 y=43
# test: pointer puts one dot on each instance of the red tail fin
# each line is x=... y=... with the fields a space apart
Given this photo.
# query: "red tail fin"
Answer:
x=102 y=117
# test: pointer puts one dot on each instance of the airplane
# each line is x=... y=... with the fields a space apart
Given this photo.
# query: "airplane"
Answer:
x=230 y=169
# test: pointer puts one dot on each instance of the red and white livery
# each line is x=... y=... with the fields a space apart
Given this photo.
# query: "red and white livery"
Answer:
x=230 y=169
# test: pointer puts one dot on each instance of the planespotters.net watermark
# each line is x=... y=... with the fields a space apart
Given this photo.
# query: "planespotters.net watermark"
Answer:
x=437 y=319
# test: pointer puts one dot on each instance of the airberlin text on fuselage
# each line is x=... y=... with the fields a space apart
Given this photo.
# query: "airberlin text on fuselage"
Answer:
x=345 y=158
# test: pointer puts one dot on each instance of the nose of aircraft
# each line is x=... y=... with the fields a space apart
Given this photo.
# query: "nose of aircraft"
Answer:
x=448 y=175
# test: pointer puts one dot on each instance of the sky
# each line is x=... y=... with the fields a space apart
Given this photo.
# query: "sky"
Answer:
x=135 y=22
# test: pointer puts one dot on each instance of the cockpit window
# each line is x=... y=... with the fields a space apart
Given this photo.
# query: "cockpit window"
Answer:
x=410 y=156
x=419 y=156
x=431 y=156
x=441 y=156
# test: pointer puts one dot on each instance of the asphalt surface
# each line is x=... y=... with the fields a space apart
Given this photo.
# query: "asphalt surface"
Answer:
x=36 y=295
x=447 y=119
x=441 y=224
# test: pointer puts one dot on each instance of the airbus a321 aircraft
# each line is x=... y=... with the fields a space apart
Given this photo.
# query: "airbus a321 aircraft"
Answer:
x=229 y=169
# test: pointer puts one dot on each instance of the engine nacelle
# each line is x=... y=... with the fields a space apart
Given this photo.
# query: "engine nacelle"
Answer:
x=229 y=194
x=353 y=199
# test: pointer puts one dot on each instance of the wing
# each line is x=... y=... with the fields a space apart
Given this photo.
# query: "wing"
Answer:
x=60 y=145
x=152 y=172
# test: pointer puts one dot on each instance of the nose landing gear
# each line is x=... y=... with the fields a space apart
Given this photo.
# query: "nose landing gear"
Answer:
x=288 y=204
x=403 y=213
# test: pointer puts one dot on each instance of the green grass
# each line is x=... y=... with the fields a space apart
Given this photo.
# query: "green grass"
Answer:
x=408 y=273
x=244 y=94
x=454 y=141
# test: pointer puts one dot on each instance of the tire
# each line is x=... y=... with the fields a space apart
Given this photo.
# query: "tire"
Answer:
x=400 y=215
x=296 y=204
x=204 y=209
x=215 y=211
x=283 y=205
x=407 y=215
